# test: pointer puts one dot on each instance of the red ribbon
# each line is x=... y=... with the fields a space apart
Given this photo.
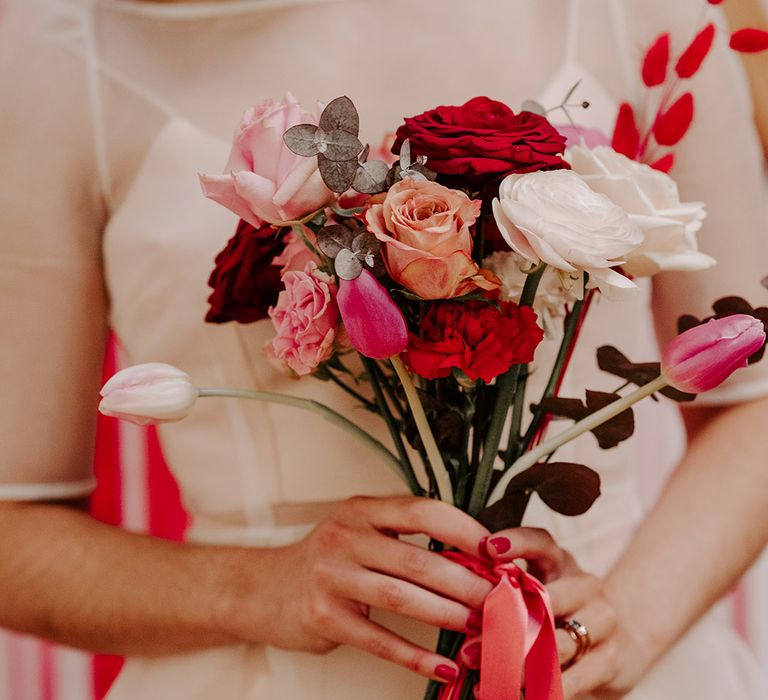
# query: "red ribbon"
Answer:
x=518 y=637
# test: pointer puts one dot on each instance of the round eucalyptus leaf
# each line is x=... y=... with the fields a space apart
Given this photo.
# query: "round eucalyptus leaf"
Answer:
x=302 y=140
x=347 y=265
x=371 y=177
x=334 y=238
x=340 y=145
x=337 y=175
x=340 y=114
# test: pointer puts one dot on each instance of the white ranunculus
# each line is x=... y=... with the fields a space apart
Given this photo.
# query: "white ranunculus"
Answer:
x=652 y=201
x=150 y=393
x=556 y=289
x=555 y=217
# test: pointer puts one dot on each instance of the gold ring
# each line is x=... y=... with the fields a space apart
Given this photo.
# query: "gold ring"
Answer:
x=580 y=635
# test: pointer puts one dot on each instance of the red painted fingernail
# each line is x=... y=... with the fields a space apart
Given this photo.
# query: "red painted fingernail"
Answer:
x=475 y=622
x=471 y=653
x=446 y=672
x=501 y=544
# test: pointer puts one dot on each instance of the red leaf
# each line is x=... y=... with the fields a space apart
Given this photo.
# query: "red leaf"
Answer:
x=671 y=126
x=626 y=137
x=749 y=40
x=665 y=163
x=691 y=59
x=655 y=62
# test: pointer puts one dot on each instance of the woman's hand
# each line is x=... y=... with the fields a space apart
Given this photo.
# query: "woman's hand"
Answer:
x=321 y=589
x=575 y=595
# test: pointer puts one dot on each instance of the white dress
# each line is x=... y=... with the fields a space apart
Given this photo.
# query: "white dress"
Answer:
x=116 y=109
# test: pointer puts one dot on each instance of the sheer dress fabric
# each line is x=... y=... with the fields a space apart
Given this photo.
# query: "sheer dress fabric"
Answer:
x=107 y=113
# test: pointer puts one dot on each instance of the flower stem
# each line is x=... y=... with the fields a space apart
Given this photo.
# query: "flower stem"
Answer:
x=330 y=415
x=591 y=421
x=394 y=431
x=506 y=386
x=569 y=331
x=367 y=403
x=442 y=478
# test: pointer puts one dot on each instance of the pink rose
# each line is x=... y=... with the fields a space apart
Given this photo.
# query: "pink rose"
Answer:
x=425 y=228
x=295 y=255
x=306 y=318
x=264 y=180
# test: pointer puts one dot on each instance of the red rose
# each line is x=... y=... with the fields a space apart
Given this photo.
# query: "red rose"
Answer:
x=245 y=282
x=483 y=140
x=481 y=339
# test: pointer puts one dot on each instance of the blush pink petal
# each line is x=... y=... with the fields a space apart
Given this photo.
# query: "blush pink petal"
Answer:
x=705 y=356
x=221 y=189
x=258 y=192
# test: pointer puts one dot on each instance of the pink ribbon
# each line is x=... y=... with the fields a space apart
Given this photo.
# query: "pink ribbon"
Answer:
x=518 y=637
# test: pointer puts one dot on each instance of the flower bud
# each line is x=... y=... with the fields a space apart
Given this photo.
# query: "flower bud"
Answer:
x=375 y=325
x=148 y=393
x=705 y=356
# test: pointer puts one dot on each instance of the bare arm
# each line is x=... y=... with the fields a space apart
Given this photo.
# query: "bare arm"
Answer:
x=706 y=529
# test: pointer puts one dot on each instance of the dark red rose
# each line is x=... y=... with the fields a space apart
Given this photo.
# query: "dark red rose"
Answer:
x=482 y=340
x=245 y=282
x=482 y=140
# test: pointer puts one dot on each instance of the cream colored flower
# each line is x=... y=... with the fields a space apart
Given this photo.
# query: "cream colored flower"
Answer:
x=652 y=201
x=554 y=217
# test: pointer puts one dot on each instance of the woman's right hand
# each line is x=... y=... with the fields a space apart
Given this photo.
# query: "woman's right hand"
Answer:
x=318 y=591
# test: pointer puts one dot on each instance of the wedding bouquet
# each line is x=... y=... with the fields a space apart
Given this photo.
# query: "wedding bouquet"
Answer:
x=421 y=281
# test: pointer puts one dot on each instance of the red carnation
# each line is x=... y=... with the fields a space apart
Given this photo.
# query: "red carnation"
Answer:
x=482 y=140
x=481 y=339
x=245 y=283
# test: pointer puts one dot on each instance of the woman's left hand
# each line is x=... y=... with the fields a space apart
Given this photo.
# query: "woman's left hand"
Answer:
x=575 y=595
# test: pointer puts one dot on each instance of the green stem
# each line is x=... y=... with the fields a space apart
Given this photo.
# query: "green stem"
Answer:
x=298 y=229
x=394 y=431
x=330 y=415
x=442 y=478
x=569 y=330
x=518 y=407
x=367 y=403
x=586 y=424
x=506 y=386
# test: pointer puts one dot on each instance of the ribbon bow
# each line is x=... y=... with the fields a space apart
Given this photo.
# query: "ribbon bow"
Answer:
x=518 y=637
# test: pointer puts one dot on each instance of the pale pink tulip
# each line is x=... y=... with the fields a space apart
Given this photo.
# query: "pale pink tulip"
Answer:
x=375 y=325
x=150 y=393
x=705 y=356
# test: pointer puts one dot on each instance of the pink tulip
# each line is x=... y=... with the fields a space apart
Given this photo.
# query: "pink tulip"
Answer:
x=705 y=356
x=375 y=325
x=150 y=393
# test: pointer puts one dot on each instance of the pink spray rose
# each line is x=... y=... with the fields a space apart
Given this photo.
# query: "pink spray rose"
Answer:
x=295 y=255
x=705 y=356
x=306 y=319
x=425 y=228
x=263 y=179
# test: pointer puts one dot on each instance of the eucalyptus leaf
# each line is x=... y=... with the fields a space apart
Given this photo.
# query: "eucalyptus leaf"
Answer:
x=337 y=176
x=366 y=243
x=340 y=114
x=334 y=238
x=405 y=155
x=363 y=157
x=339 y=145
x=371 y=177
x=533 y=106
x=347 y=265
x=302 y=140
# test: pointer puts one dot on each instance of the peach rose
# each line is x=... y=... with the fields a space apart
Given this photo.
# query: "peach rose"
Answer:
x=263 y=179
x=306 y=318
x=425 y=228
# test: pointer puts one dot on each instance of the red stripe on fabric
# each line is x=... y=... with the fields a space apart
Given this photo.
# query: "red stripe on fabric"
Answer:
x=106 y=505
x=167 y=517
x=47 y=671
